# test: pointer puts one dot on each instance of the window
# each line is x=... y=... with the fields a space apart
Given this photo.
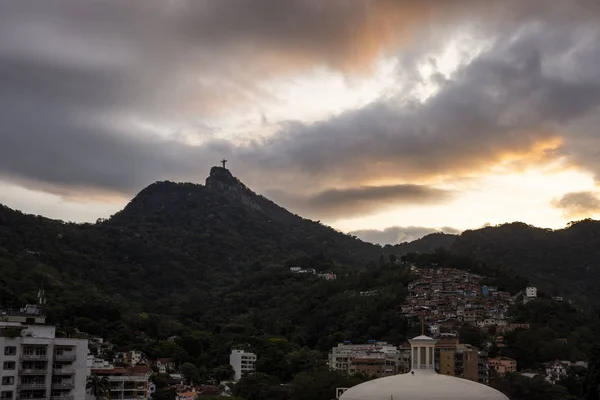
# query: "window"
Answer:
x=6 y=394
x=10 y=350
x=8 y=380
x=34 y=351
x=9 y=365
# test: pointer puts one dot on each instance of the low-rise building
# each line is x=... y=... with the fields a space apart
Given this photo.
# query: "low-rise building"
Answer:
x=373 y=358
x=556 y=370
x=164 y=365
x=404 y=354
x=503 y=365
x=243 y=363
x=376 y=365
x=127 y=383
x=129 y=358
x=511 y=327
x=328 y=276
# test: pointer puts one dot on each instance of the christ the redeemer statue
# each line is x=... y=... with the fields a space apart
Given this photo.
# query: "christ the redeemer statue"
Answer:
x=224 y=161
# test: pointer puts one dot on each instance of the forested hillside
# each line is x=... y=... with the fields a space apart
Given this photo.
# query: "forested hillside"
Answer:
x=216 y=256
x=563 y=262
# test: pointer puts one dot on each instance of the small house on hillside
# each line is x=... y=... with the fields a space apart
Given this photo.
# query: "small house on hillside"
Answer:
x=164 y=365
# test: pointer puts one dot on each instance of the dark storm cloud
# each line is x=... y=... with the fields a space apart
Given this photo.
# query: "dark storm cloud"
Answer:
x=77 y=77
x=336 y=203
x=399 y=234
x=505 y=103
x=578 y=204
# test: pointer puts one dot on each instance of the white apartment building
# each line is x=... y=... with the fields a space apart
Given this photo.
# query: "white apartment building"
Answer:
x=34 y=363
x=243 y=363
x=128 y=383
x=530 y=294
x=344 y=355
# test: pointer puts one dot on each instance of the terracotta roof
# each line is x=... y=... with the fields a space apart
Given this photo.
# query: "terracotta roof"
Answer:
x=136 y=370
x=208 y=390
x=141 y=369
x=111 y=371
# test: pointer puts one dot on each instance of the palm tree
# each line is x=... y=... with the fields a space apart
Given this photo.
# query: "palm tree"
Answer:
x=98 y=386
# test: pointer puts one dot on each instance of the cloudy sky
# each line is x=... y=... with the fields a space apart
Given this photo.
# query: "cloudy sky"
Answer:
x=393 y=117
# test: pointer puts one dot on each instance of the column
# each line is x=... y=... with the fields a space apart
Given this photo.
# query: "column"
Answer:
x=414 y=358
x=432 y=357
x=427 y=359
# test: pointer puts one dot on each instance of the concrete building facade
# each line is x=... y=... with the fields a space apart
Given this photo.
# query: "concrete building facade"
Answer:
x=374 y=358
x=503 y=365
x=243 y=363
x=128 y=383
x=34 y=363
x=461 y=360
x=531 y=291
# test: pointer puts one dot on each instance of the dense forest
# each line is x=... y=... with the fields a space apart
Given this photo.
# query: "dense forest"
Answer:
x=561 y=262
x=211 y=265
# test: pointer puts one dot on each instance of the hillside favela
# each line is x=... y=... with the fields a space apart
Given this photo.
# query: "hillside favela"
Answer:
x=300 y=200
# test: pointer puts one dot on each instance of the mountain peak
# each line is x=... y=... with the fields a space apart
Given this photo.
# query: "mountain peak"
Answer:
x=221 y=180
x=220 y=173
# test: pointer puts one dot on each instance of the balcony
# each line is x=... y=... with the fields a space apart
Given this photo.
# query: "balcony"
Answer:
x=63 y=385
x=32 y=386
x=34 y=357
x=62 y=398
x=65 y=357
x=33 y=371
x=63 y=371
x=35 y=397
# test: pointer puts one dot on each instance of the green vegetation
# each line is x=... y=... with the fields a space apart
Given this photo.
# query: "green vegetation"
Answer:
x=314 y=384
x=561 y=262
x=163 y=391
x=97 y=386
x=518 y=387
x=558 y=331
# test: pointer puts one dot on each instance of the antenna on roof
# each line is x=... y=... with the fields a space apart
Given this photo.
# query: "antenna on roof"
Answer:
x=423 y=308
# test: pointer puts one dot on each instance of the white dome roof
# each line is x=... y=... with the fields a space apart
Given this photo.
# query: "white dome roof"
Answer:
x=422 y=385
